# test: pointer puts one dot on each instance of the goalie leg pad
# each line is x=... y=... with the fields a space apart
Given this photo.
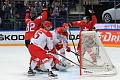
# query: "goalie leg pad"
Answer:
x=63 y=65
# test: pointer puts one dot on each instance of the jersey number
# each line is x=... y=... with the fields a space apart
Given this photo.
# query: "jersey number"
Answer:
x=37 y=34
x=30 y=27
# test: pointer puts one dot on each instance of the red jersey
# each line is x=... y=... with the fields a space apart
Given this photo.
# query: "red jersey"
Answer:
x=33 y=26
x=86 y=27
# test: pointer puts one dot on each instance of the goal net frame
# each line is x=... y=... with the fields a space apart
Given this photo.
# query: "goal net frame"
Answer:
x=88 y=67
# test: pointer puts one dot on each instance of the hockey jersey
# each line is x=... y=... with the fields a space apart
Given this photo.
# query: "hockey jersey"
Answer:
x=33 y=26
x=60 y=36
x=43 y=38
x=86 y=27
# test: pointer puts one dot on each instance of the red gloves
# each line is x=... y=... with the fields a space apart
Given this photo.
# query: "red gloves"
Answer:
x=27 y=11
x=59 y=46
x=52 y=51
x=68 y=49
x=44 y=9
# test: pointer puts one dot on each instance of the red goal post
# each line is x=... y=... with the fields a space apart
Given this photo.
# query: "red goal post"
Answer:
x=94 y=60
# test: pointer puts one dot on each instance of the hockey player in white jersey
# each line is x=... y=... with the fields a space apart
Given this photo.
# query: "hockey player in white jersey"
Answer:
x=41 y=38
x=60 y=38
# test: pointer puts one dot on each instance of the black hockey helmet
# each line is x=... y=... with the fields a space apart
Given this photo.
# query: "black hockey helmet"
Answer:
x=86 y=17
x=32 y=16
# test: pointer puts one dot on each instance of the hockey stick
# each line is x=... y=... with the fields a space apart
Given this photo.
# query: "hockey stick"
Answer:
x=69 y=60
x=75 y=53
x=74 y=46
x=83 y=58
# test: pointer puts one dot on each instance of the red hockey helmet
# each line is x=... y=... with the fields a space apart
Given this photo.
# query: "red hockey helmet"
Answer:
x=47 y=24
x=65 y=25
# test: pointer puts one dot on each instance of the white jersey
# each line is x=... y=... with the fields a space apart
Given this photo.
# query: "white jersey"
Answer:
x=60 y=36
x=43 y=38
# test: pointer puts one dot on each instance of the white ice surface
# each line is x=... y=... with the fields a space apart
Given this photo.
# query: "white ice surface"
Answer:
x=14 y=63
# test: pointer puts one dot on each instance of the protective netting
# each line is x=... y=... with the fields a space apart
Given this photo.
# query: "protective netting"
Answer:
x=95 y=60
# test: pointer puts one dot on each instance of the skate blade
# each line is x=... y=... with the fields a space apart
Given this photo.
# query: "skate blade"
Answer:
x=53 y=78
x=31 y=75
x=39 y=72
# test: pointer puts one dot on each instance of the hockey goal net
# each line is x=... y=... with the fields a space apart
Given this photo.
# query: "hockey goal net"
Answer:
x=94 y=60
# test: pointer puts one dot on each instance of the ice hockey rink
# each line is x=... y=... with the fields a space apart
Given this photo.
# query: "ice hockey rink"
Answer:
x=14 y=63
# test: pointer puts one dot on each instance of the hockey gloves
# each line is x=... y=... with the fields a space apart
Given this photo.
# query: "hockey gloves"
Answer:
x=68 y=49
x=27 y=10
x=91 y=12
x=52 y=51
x=59 y=46
x=44 y=5
x=95 y=29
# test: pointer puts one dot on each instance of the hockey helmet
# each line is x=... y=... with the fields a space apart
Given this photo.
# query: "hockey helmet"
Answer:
x=47 y=24
x=32 y=16
x=86 y=17
x=65 y=25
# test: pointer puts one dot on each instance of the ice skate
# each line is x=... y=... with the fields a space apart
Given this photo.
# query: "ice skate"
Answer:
x=31 y=72
x=52 y=76
x=38 y=70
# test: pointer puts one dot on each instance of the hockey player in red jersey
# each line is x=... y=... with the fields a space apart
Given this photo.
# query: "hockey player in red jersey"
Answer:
x=87 y=25
x=60 y=38
x=33 y=24
x=41 y=38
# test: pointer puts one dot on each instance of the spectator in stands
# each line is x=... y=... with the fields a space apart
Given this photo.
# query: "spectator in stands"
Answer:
x=63 y=10
x=18 y=7
x=38 y=8
x=1 y=3
x=18 y=22
x=6 y=9
x=33 y=11
x=59 y=3
x=56 y=9
x=12 y=19
x=0 y=23
x=48 y=5
x=1 y=13
x=33 y=4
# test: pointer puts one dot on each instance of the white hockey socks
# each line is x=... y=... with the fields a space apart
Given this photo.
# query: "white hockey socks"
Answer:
x=62 y=52
x=46 y=64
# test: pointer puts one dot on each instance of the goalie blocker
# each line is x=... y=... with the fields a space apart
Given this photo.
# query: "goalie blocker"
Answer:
x=93 y=56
